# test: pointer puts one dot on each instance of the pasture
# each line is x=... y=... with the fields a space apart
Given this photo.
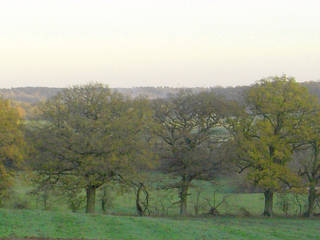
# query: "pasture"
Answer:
x=47 y=224
x=121 y=201
x=240 y=217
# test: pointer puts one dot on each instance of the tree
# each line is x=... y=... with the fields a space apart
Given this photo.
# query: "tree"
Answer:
x=89 y=136
x=266 y=135
x=190 y=131
x=309 y=163
x=11 y=145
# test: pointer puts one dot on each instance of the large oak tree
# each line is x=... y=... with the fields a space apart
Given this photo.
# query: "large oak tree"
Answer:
x=267 y=134
x=88 y=136
x=189 y=127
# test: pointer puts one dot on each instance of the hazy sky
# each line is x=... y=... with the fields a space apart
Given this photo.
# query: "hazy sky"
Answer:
x=181 y=43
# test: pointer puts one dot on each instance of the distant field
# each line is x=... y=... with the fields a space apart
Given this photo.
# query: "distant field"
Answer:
x=45 y=224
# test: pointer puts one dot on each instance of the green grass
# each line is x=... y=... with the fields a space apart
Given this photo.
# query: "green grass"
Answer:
x=35 y=223
x=59 y=222
x=123 y=202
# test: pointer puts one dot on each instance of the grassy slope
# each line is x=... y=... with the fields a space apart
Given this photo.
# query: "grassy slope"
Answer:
x=22 y=223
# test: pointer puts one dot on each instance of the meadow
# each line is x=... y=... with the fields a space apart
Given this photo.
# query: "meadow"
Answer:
x=45 y=224
x=121 y=200
x=240 y=217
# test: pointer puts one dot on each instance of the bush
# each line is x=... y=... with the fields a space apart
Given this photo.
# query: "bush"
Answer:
x=21 y=204
x=244 y=212
x=76 y=201
x=162 y=201
x=106 y=198
x=292 y=203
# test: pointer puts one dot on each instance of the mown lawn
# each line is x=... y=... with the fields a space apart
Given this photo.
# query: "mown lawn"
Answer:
x=36 y=223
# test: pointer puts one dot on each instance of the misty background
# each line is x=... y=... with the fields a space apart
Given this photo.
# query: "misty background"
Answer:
x=181 y=43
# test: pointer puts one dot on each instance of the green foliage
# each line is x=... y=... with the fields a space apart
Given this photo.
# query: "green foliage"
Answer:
x=292 y=203
x=11 y=146
x=309 y=158
x=90 y=135
x=107 y=197
x=187 y=127
x=268 y=134
x=188 y=145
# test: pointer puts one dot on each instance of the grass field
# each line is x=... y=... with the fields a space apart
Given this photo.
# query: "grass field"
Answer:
x=45 y=224
x=161 y=202
x=120 y=223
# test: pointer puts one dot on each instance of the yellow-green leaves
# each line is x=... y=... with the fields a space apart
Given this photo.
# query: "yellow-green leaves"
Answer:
x=11 y=144
x=266 y=138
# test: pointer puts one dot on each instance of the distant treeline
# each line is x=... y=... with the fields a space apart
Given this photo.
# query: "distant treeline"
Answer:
x=37 y=94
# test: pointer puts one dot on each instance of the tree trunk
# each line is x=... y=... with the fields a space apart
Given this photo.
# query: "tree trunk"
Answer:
x=138 y=206
x=311 y=201
x=91 y=199
x=183 y=194
x=268 y=203
x=197 y=203
x=103 y=200
x=45 y=199
x=142 y=205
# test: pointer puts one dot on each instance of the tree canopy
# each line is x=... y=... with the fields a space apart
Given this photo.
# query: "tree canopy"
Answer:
x=189 y=127
x=89 y=136
x=11 y=145
x=268 y=133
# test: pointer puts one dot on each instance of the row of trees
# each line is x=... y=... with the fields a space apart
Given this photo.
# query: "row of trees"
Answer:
x=88 y=136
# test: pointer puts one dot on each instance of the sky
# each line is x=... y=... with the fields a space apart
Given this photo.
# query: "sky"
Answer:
x=177 y=43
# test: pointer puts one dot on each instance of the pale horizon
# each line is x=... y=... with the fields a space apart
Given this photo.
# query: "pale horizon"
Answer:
x=157 y=43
